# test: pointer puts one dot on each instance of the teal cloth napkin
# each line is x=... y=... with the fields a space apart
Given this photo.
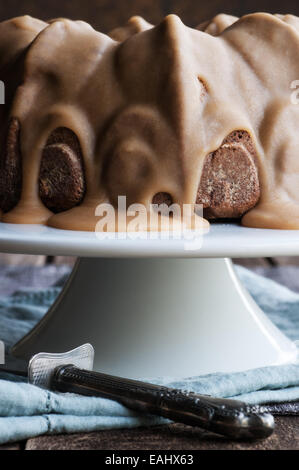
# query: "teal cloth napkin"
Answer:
x=27 y=411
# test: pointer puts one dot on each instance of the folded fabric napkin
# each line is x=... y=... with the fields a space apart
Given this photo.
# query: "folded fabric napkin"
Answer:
x=27 y=411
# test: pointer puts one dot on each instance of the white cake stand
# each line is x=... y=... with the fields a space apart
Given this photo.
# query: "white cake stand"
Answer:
x=154 y=308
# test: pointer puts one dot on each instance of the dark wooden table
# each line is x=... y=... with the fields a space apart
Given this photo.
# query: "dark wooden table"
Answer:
x=171 y=437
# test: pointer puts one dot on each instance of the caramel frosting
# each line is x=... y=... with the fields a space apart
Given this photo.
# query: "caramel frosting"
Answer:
x=150 y=106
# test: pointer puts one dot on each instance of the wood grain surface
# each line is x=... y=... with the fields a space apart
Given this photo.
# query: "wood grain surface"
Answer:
x=171 y=437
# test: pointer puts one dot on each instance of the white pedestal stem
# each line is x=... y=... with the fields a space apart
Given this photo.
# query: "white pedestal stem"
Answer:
x=159 y=317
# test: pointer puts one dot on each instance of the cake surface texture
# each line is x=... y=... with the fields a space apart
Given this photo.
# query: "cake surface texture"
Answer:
x=162 y=113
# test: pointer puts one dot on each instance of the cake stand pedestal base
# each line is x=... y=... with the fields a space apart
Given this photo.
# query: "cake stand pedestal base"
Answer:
x=159 y=317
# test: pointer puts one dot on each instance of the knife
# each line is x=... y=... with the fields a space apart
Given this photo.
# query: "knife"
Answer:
x=72 y=372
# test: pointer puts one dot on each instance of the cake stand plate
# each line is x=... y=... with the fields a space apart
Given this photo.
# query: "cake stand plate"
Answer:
x=157 y=307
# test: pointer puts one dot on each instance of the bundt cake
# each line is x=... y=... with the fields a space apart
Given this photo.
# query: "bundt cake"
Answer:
x=157 y=114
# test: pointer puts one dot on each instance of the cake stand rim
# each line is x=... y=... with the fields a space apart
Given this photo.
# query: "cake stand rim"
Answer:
x=224 y=240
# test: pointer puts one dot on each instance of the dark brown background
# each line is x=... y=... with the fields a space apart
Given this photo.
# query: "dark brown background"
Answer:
x=107 y=14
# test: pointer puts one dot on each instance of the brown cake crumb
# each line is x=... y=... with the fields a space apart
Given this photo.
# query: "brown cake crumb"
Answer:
x=229 y=184
x=11 y=168
x=61 y=181
x=162 y=198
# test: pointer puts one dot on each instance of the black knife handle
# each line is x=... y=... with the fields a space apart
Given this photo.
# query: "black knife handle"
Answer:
x=230 y=418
